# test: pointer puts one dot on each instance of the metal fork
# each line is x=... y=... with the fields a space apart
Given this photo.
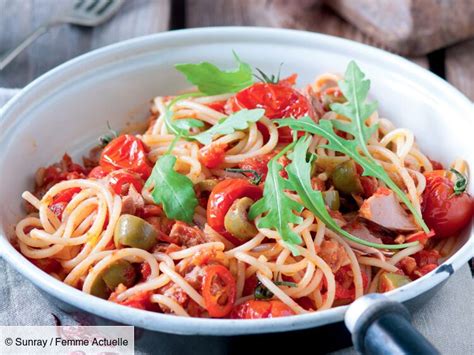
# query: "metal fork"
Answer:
x=88 y=13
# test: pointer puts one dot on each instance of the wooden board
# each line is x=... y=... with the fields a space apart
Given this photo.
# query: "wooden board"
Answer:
x=309 y=15
x=460 y=67
x=20 y=17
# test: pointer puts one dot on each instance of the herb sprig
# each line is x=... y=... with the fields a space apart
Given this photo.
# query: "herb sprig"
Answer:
x=211 y=80
x=355 y=89
x=172 y=190
x=236 y=121
x=279 y=207
x=299 y=174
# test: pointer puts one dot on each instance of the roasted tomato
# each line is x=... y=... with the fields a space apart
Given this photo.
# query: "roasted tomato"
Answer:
x=120 y=180
x=345 y=289
x=214 y=156
x=61 y=200
x=218 y=105
x=97 y=172
x=279 y=101
x=126 y=152
x=221 y=198
x=140 y=300
x=445 y=210
x=255 y=309
x=259 y=164
x=218 y=290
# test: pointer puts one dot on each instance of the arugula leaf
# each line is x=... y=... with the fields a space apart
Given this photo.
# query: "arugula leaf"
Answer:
x=355 y=89
x=279 y=207
x=187 y=123
x=299 y=174
x=172 y=190
x=349 y=147
x=174 y=126
x=237 y=121
x=210 y=80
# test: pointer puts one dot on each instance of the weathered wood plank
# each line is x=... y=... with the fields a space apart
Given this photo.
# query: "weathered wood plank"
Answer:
x=310 y=15
x=460 y=67
x=19 y=18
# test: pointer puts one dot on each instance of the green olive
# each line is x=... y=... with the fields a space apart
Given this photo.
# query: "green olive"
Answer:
x=206 y=185
x=99 y=288
x=236 y=220
x=119 y=272
x=328 y=164
x=135 y=232
x=345 y=179
x=331 y=198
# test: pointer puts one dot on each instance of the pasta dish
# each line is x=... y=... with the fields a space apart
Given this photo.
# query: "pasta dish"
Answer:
x=247 y=197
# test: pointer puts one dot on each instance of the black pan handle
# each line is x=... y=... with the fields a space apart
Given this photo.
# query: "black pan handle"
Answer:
x=380 y=326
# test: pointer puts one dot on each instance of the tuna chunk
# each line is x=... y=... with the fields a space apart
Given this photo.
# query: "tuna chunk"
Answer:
x=187 y=235
x=384 y=209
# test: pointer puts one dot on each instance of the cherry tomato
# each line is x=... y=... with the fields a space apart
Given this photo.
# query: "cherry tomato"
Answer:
x=221 y=198
x=48 y=265
x=258 y=163
x=214 y=156
x=436 y=164
x=120 y=178
x=442 y=210
x=61 y=200
x=217 y=105
x=345 y=289
x=256 y=309
x=278 y=100
x=218 y=290
x=126 y=152
x=250 y=285
x=63 y=170
x=426 y=257
x=97 y=172
x=140 y=300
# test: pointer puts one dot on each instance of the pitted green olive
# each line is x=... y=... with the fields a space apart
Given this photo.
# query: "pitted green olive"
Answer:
x=328 y=164
x=331 y=198
x=345 y=179
x=236 y=220
x=206 y=185
x=99 y=288
x=132 y=231
x=119 y=272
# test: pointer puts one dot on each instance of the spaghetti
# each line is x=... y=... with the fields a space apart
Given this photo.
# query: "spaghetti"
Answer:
x=106 y=228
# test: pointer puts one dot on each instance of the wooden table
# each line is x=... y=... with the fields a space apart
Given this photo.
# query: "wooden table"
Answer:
x=142 y=17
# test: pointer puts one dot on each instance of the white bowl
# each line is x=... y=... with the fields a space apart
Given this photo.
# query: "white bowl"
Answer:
x=67 y=109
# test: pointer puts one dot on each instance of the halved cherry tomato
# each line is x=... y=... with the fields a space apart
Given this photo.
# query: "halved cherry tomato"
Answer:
x=119 y=179
x=214 y=156
x=218 y=290
x=442 y=210
x=221 y=198
x=97 y=172
x=61 y=200
x=278 y=100
x=256 y=309
x=126 y=152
